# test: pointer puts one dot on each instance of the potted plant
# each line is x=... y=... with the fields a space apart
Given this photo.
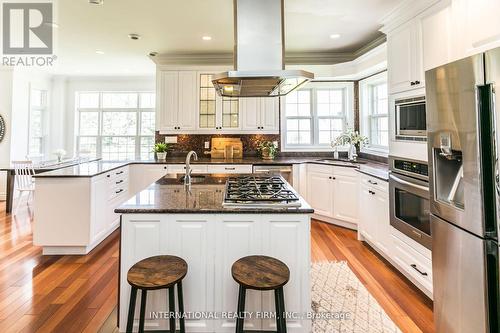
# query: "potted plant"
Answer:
x=268 y=149
x=161 y=150
x=355 y=141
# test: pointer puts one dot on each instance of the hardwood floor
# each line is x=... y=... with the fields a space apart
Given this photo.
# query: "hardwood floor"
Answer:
x=78 y=293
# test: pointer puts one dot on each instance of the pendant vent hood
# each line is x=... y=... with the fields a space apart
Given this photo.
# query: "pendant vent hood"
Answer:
x=259 y=53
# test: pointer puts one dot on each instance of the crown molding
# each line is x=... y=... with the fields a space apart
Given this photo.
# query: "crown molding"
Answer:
x=291 y=58
x=403 y=13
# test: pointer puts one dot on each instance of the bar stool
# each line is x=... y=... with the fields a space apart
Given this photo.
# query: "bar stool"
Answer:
x=261 y=273
x=159 y=272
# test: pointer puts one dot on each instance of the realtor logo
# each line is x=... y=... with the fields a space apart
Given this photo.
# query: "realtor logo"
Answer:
x=27 y=28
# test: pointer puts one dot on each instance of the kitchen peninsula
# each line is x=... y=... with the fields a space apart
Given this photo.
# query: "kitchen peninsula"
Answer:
x=196 y=224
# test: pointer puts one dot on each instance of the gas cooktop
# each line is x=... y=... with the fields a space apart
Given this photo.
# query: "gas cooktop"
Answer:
x=259 y=191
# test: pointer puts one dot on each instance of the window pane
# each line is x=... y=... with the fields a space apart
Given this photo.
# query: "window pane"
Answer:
x=88 y=100
x=298 y=103
x=379 y=131
x=87 y=146
x=330 y=102
x=147 y=143
x=298 y=131
x=118 y=148
x=37 y=98
x=207 y=103
x=35 y=146
x=89 y=123
x=147 y=123
x=119 y=100
x=329 y=129
x=147 y=100
x=119 y=123
x=36 y=123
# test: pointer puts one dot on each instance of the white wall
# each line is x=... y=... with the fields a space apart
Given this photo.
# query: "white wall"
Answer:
x=75 y=84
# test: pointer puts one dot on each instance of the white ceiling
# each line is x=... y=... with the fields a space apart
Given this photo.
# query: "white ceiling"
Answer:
x=168 y=26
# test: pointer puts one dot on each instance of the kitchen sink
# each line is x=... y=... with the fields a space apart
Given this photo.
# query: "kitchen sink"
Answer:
x=194 y=179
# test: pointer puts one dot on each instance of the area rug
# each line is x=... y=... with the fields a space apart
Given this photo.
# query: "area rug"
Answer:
x=342 y=304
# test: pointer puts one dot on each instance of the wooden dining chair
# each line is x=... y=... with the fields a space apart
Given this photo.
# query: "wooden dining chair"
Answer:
x=24 y=173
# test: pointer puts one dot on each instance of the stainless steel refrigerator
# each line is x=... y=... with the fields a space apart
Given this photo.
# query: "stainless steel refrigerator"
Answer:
x=463 y=146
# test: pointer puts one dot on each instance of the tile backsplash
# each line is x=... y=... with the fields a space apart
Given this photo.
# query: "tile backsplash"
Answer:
x=196 y=142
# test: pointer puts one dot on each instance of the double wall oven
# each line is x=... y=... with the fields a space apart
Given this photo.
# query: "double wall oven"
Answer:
x=409 y=199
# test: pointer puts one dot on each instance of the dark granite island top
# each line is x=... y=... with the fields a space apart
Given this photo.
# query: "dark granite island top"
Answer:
x=169 y=195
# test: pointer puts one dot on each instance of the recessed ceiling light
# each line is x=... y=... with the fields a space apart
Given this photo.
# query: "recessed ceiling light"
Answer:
x=96 y=2
x=334 y=36
x=206 y=38
x=134 y=36
x=99 y=52
x=153 y=54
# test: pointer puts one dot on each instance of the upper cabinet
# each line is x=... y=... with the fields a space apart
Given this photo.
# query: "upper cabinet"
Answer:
x=176 y=101
x=260 y=115
x=187 y=103
x=404 y=58
x=425 y=34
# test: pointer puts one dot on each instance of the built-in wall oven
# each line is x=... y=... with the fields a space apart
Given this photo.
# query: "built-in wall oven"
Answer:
x=411 y=118
x=409 y=199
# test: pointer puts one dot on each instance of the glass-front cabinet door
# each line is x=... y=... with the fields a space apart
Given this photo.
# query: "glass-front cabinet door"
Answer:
x=216 y=112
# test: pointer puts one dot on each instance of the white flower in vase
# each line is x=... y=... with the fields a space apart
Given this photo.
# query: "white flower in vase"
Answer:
x=60 y=153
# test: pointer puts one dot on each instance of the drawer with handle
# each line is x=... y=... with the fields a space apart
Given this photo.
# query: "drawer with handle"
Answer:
x=181 y=168
x=414 y=263
x=230 y=168
x=375 y=183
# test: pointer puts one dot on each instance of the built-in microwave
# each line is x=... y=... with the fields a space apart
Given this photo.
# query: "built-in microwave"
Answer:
x=410 y=117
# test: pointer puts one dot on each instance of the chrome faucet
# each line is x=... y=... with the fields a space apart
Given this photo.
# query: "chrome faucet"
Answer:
x=187 y=176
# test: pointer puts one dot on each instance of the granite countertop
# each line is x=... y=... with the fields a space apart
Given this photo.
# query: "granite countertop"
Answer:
x=169 y=195
x=94 y=168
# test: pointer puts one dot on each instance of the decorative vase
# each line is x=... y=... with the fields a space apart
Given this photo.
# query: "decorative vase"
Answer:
x=59 y=158
x=161 y=156
x=266 y=154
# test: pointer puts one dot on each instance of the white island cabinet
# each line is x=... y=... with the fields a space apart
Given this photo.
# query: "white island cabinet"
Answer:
x=165 y=219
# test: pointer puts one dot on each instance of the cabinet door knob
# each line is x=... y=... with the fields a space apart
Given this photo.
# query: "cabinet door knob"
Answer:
x=165 y=168
x=372 y=182
x=417 y=82
x=412 y=83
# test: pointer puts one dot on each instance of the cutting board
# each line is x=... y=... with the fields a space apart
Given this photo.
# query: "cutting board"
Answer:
x=219 y=147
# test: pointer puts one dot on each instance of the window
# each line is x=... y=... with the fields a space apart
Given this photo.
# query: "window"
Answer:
x=374 y=109
x=207 y=101
x=315 y=115
x=38 y=106
x=116 y=125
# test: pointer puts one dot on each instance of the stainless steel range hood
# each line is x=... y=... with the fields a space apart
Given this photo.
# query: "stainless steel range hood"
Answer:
x=259 y=51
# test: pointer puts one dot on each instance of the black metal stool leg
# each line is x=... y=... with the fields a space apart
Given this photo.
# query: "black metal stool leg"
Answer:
x=281 y=297
x=279 y=312
x=142 y=316
x=131 y=310
x=180 y=299
x=171 y=308
x=241 y=309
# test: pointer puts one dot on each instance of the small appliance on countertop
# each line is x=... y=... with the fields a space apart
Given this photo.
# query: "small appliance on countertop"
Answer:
x=259 y=192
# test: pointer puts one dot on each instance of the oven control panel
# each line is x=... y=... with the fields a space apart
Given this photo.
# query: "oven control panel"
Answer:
x=412 y=167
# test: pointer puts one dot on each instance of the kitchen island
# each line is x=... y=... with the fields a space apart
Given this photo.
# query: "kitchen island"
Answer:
x=194 y=224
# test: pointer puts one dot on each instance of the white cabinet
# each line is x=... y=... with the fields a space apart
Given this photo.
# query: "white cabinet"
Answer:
x=479 y=26
x=176 y=101
x=374 y=223
x=211 y=243
x=320 y=190
x=437 y=35
x=143 y=175
x=260 y=115
x=404 y=58
x=345 y=195
x=333 y=193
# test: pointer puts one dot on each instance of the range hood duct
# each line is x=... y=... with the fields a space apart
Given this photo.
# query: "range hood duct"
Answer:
x=259 y=53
